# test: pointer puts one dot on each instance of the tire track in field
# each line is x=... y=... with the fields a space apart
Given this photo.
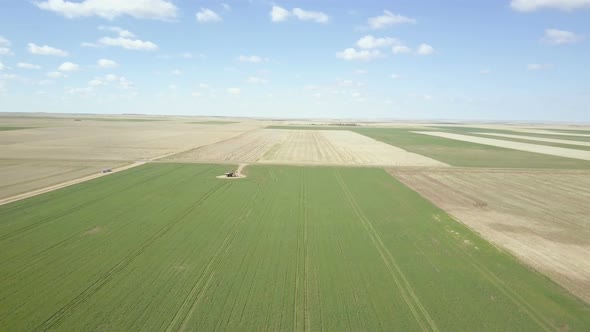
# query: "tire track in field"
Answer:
x=419 y=312
x=57 y=318
x=35 y=258
x=197 y=292
x=497 y=282
x=78 y=207
x=301 y=317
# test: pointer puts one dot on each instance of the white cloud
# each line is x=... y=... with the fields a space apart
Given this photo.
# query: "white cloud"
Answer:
x=46 y=50
x=387 y=19
x=226 y=7
x=176 y=72
x=395 y=76
x=96 y=82
x=129 y=44
x=203 y=85
x=4 y=42
x=2 y=66
x=234 y=91
x=400 y=49
x=68 y=67
x=369 y=41
x=425 y=49
x=206 y=15
x=56 y=74
x=106 y=63
x=539 y=66
x=560 y=37
x=353 y=54
x=109 y=9
x=120 y=31
x=5 y=51
x=25 y=65
x=256 y=80
x=485 y=72
x=532 y=5
x=305 y=15
x=196 y=94
x=251 y=58
x=279 y=14
x=361 y=72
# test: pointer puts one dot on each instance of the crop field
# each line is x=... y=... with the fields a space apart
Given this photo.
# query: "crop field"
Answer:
x=298 y=147
x=170 y=247
x=539 y=216
x=461 y=153
x=50 y=150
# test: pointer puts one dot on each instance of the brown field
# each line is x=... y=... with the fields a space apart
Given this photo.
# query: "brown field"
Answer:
x=57 y=149
x=539 y=216
x=320 y=147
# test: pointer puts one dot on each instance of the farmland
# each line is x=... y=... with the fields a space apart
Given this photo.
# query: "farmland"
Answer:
x=170 y=247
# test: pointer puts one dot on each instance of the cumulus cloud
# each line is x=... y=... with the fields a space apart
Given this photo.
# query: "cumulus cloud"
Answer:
x=354 y=54
x=4 y=42
x=280 y=14
x=560 y=37
x=206 y=15
x=226 y=7
x=106 y=63
x=2 y=66
x=68 y=67
x=46 y=50
x=108 y=9
x=56 y=74
x=256 y=80
x=128 y=43
x=305 y=15
x=25 y=65
x=532 y=5
x=252 y=58
x=400 y=49
x=388 y=19
x=538 y=66
x=120 y=31
x=234 y=91
x=5 y=51
x=425 y=49
x=369 y=41
x=112 y=80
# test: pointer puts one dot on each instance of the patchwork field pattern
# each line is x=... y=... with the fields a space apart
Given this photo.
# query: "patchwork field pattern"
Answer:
x=304 y=147
x=170 y=247
x=536 y=148
x=539 y=216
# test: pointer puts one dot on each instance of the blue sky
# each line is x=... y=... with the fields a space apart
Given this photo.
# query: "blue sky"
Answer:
x=407 y=59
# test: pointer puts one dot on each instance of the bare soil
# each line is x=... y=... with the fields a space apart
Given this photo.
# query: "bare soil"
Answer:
x=539 y=216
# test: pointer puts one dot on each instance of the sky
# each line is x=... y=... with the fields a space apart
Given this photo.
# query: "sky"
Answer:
x=498 y=60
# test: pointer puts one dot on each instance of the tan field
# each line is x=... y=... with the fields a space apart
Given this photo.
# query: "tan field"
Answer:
x=321 y=147
x=543 y=149
x=539 y=216
x=56 y=150
x=539 y=139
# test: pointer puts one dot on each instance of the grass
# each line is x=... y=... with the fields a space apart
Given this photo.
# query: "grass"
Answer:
x=170 y=247
x=459 y=153
x=118 y=120
x=14 y=128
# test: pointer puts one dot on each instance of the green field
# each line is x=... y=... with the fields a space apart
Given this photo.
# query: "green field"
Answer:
x=170 y=247
x=14 y=128
x=459 y=153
